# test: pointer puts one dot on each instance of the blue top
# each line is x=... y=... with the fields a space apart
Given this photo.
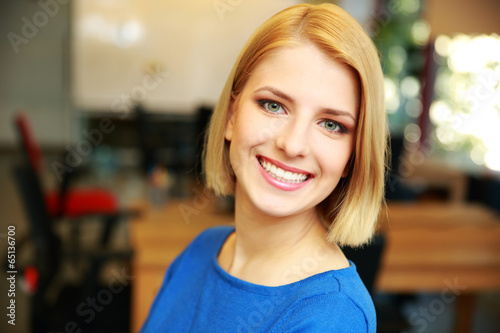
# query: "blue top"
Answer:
x=197 y=295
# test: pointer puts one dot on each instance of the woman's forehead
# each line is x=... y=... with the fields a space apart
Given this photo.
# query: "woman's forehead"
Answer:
x=304 y=72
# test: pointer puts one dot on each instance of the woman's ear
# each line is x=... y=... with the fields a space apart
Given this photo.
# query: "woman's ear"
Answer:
x=230 y=118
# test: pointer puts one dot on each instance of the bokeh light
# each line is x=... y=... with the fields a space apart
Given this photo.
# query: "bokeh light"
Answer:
x=397 y=57
x=420 y=32
x=412 y=133
x=466 y=112
x=391 y=95
x=122 y=34
x=442 y=45
x=410 y=87
x=413 y=107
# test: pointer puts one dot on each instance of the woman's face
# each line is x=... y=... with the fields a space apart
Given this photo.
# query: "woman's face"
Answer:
x=292 y=131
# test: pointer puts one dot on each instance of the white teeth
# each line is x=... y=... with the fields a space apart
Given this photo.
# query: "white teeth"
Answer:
x=273 y=169
x=282 y=175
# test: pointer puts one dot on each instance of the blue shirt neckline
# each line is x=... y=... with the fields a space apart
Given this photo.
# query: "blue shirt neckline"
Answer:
x=274 y=290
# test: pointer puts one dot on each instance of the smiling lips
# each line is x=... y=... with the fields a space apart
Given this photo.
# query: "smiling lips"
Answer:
x=281 y=176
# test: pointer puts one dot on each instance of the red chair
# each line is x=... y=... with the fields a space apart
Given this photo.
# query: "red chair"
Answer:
x=53 y=295
x=68 y=202
x=43 y=209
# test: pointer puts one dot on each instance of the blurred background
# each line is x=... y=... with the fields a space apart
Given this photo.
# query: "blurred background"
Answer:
x=103 y=104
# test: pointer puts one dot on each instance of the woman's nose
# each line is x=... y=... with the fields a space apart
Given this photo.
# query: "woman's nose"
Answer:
x=294 y=138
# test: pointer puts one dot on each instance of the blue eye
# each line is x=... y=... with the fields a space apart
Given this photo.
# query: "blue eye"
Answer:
x=271 y=106
x=333 y=126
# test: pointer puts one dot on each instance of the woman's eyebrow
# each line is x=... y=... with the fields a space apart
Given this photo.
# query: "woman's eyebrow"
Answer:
x=330 y=111
x=335 y=112
x=276 y=92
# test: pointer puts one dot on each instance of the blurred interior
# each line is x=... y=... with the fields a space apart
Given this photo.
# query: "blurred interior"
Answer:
x=117 y=94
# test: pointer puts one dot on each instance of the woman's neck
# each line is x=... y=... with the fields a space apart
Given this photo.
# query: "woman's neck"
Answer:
x=260 y=234
x=267 y=250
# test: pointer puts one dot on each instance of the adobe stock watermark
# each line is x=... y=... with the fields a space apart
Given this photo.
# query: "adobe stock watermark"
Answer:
x=263 y=309
x=382 y=17
x=93 y=138
x=201 y=200
x=485 y=89
x=221 y=7
x=31 y=27
x=427 y=314
x=89 y=308
x=307 y=266
x=137 y=94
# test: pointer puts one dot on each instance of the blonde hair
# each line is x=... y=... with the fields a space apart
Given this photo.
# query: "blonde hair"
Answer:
x=350 y=213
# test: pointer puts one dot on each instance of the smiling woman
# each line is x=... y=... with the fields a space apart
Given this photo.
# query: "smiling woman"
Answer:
x=299 y=138
x=342 y=40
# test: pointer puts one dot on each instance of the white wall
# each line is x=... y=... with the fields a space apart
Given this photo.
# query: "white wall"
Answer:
x=191 y=45
x=32 y=73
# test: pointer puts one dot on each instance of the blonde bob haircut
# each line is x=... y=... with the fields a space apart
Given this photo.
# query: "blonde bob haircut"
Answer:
x=351 y=211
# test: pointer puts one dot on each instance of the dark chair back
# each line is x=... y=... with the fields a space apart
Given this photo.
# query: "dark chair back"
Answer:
x=484 y=190
x=47 y=244
x=33 y=154
x=367 y=260
x=29 y=143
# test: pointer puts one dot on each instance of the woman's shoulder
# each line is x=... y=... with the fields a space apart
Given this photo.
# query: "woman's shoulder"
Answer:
x=214 y=236
x=329 y=312
x=328 y=299
x=207 y=243
x=344 y=282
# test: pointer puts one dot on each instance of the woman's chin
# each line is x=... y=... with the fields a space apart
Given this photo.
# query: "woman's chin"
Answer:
x=280 y=209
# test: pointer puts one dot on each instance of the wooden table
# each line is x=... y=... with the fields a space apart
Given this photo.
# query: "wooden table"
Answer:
x=427 y=244
x=453 y=250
